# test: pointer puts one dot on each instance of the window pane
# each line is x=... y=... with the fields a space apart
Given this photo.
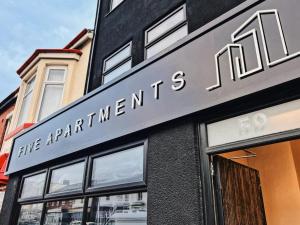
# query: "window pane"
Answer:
x=30 y=214
x=118 y=168
x=68 y=212
x=166 y=25
x=115 y=3
x=167 y=41
x=33 y=186
x=51 y=99
x=24 y=109
x=68 y=178
x=117 y=58
x=7 y=125
x=129 y=209
x=29 y=86
x=117 y=72
x=56 y=75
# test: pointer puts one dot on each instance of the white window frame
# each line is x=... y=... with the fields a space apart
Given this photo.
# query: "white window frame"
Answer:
x=46 y=82
x=106 y=72
x=168 y=32
x=111 y=8
x=25 y=95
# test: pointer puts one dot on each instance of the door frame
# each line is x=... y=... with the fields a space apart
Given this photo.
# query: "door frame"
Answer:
x=210 y=201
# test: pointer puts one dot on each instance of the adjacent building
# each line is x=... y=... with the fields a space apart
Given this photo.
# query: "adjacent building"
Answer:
x=50 y=80
x=191 y=117
x=7 y=106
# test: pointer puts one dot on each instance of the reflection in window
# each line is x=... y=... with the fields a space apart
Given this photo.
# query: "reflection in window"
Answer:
x=118 y=210
x=30 y=214
x=118 y=168
x=33 y=186
x=67 y=178
x=67 y=212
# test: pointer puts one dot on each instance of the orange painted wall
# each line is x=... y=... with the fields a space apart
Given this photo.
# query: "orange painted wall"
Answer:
x=279 y=180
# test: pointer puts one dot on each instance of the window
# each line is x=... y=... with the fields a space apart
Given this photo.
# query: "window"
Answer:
x=30 y=214
x=69 y=213
x=117 y=64
x=115 y=3
x=33 y=186
x=52 y=91
x=118 y=168
x=166 y=32
x=118 y=210
x=7 y=124
x=68 y=178
x=26 y=102
x=66 y=202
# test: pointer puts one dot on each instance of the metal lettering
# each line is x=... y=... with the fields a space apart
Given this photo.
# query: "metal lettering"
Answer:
x=156 y=88
x=177 y=78
x=78 y=125
x=104 y=114
x=120 y=106
x=137 y=99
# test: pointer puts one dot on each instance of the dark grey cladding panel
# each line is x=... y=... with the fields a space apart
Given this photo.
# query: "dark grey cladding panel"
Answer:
x=255 y=64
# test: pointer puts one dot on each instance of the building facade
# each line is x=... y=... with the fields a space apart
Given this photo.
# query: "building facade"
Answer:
x=6 y=111
x=191 y=117
x=51 y=79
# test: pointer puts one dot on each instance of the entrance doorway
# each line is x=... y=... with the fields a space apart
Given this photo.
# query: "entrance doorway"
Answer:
x=258 y=186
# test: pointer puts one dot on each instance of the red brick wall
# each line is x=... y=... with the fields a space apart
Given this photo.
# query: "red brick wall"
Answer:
x=3 y=116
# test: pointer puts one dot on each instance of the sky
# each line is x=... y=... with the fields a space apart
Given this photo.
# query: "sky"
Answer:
x=26 y=25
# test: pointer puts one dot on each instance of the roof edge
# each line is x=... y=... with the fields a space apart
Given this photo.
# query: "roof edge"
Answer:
x=38 y=51
x=10 y=99
x=77 y=38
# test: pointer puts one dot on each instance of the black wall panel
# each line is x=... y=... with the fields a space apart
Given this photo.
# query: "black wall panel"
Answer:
x=131 y=18
x=173 y=177
x=10 y=208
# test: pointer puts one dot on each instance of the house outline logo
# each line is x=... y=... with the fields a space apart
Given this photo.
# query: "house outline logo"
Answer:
x=239 y=62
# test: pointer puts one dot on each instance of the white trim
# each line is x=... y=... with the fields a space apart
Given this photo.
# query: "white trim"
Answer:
x=72 y=56
x=82 y=40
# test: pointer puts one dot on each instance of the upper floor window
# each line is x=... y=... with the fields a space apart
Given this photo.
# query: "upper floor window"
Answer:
x=26 y=101
x=52 y=91
x=114 y=4
x=7 y=124
x=117 y=63
x=166 y=32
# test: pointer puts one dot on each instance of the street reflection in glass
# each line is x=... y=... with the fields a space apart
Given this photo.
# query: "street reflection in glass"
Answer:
x=30 y=214
x=126 y=209
x=68 y=212
x=67 y=178
x=118 y=168
x=33 y=186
